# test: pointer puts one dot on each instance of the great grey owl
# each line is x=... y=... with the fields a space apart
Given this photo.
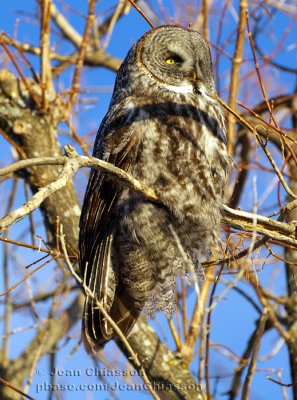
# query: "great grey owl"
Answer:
x=165 y=127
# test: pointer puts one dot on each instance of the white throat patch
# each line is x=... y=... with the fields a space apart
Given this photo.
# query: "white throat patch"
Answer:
x=178 y=89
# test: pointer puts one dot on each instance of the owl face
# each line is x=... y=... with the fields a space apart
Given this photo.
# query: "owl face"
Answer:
x=178 y=59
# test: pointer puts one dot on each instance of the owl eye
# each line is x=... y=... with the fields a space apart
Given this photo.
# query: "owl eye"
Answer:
x=174 y=59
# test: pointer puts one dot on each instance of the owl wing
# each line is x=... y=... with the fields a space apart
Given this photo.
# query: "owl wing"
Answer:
x=115 y=143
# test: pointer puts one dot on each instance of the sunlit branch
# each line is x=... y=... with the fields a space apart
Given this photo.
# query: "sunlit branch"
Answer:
x=72 y=162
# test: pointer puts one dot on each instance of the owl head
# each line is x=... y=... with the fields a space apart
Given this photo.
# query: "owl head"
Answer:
x=170 y=58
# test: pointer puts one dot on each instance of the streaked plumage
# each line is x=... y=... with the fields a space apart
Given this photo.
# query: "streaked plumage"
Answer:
x=165 y=127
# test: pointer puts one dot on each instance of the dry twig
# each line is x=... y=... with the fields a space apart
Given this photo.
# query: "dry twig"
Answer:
x=253 y=362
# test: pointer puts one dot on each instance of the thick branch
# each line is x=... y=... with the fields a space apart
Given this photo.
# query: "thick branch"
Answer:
x=92 y=58
x=36 y=134
x=66 y=28
x=279 y=231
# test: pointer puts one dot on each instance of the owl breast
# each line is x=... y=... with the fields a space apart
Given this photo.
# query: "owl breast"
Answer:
x=181 y=153
x=182 y=156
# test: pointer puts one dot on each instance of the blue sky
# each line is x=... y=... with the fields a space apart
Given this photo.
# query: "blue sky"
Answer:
x=232 y=323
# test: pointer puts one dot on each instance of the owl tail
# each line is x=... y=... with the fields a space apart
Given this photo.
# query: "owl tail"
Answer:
x=97 y=331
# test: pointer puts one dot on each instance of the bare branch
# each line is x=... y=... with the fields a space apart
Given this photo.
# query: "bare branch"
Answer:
x=15 y=389
x=264 y=147
x=141 y=13
x=236 y=62
x=82 y=51
x=71 y=163
x=46 y=83
x=282 y=232
x=252 y=367
x=93 y=58
x=282 y=6
x=243 y=220
x=66 y=28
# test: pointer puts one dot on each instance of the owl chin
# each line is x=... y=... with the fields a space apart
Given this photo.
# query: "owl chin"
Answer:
x=178 y=89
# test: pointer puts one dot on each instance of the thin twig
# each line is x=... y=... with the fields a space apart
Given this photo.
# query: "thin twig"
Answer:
x=258 y=70
x=81 y=53
x=175 y=335
x=25 y=278
x=8 y=302
x=120 y=8
x=141 y=13
x=20 y=49
x=199 y=317
x=252 y=366
x=241 y=273
x=208 y=325
x=184 y=306
x=39 y=351
x=29 y=246
x=280 y=383
x=270 y=311
x=26 y=83
x=242 y=363
x=264 y=147
x=15 y=389
x=82 y=144
x=19 y=150
x=31 y=219
x=270 y=127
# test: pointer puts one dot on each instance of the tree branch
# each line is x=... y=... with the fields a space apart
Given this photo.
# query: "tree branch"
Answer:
x=72 y=162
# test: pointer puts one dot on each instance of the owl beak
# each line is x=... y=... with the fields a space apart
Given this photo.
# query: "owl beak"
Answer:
x=196 y=75
x=197 y=79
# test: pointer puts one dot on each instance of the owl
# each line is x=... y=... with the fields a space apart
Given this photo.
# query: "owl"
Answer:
x=165 y=127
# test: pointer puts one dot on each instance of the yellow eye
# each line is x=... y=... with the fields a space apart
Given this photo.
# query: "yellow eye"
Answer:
x=170 y=61
x=174 y=59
